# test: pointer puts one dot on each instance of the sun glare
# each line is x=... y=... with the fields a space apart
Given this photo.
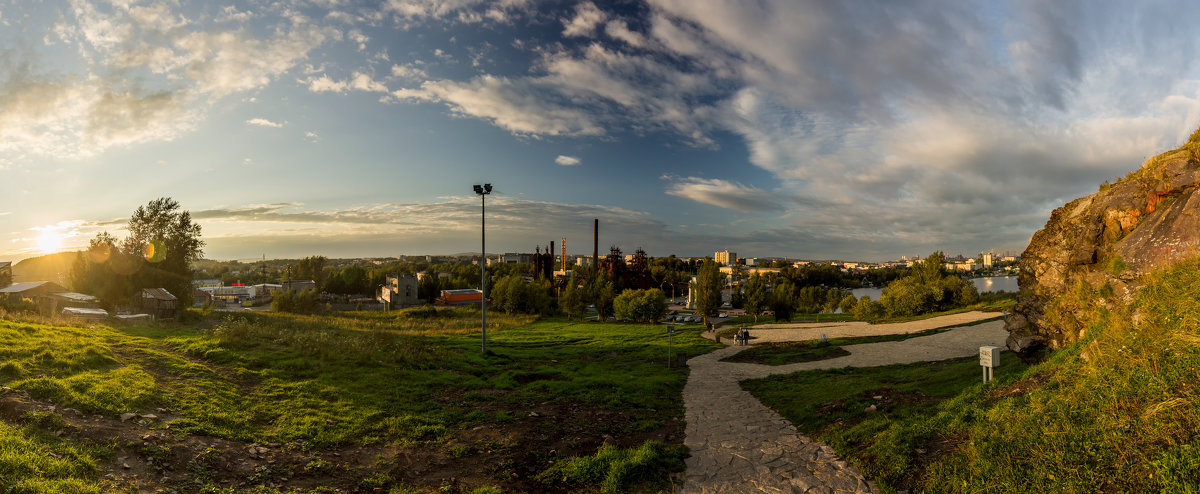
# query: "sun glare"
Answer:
x=50 y=241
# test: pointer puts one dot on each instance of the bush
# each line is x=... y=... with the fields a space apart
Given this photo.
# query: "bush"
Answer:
x=640 y=305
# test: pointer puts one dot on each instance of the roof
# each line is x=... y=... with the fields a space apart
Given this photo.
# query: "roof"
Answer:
x=157 y=293
x=5 y=263
x=29 y=285
x=75 y=311
x=80 y=297
x=463 y=291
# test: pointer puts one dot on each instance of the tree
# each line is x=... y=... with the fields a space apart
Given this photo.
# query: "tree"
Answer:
x=755 y=300
x=640 y=305
x=867 y=309
x=603 y=297
x=159 y=252
x=572 y=300
x=169 y=242
x=309 y=268
x=707 y=290
x=847 y=304
x=783 y=299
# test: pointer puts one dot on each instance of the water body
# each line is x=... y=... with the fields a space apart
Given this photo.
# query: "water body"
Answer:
x=987 y=284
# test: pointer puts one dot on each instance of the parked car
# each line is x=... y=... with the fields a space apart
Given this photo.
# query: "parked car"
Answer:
x=723 y=314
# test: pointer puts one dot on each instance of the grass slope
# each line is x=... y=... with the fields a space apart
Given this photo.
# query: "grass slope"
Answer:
x=414 y=382
x=1123 y=419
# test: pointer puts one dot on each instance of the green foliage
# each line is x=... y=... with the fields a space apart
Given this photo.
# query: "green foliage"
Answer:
x=783 y=299
x=707 y=290
x=513 y=295
x=867 y=309
x=1123 y=419
x=603 y=296
x=756 y=296
x=928 y=289
x=299 y=302
x=640 y=305
x=162 y=245
x=32 y=461
x=616 y=470
x=573 y=301
x=1116 y=265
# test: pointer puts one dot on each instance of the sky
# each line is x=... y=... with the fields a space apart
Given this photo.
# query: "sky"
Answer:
x=793 y=128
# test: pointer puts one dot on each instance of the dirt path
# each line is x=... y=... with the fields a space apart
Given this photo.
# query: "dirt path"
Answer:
x=812 y=331
x=739 y=445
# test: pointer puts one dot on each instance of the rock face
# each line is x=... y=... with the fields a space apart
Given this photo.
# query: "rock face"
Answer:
x=1104 y=242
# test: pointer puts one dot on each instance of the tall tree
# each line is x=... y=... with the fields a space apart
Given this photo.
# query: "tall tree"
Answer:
x=709 y=281
x=159 y=252
x=755 y=300
x=783 y=295
x=164 y=235
x=572 y=299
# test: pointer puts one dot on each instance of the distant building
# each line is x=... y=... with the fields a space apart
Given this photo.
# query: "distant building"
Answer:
x=516 y=258
x=987 y=259
x=206 y=283
x=459 y=297
x=399 y=291
x=583 y=260
x=157 y=302
x=298 y=285
x=725 y=257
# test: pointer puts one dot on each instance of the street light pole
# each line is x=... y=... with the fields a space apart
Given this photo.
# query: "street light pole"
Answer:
x=483 y=191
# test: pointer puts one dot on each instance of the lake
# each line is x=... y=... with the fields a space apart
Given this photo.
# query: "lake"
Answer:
x=987 y=284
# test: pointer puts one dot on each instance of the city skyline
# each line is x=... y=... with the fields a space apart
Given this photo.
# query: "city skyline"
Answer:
x=809 y=129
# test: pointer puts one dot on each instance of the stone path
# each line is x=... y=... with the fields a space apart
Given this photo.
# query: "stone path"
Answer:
x=813 y=331
x=739 y=445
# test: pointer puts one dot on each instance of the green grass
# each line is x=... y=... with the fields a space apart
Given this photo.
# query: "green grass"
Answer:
x=616 y=470
x=348 y=379
x=33 y=460
x=1123 y=419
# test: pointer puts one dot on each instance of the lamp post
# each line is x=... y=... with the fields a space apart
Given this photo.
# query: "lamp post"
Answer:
x=483 y=191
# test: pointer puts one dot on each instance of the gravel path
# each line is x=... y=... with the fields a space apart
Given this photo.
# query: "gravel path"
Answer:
x=739 y=445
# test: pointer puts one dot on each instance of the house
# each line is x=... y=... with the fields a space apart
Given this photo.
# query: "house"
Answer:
x=157 y=302
x=5 y=273
x=299 y=285
x=41 y=292
x=399 y=291
x=73 y=300
x=459 y=297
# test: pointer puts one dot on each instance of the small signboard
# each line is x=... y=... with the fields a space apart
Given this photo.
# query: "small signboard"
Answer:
x=989 y=356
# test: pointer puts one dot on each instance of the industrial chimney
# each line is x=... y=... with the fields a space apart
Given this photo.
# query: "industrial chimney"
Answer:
x=596 y=246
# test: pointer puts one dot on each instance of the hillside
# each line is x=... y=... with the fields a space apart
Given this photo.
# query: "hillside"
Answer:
x=51 y=267
x=1106 y=242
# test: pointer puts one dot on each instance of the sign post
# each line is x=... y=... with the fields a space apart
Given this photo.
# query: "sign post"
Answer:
x=989 y=358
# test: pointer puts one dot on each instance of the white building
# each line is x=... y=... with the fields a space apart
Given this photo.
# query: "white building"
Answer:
x=725 y=257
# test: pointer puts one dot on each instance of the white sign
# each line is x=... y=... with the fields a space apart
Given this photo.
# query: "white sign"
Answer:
x=989 y=356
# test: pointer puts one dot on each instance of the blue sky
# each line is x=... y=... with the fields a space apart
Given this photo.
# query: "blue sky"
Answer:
x=808 y=129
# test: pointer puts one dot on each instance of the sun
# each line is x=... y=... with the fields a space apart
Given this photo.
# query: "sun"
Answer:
x=50 y=241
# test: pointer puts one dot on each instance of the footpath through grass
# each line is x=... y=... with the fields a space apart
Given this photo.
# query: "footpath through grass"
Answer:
x=547 y=392
x=783 y=353
x=1118 y=411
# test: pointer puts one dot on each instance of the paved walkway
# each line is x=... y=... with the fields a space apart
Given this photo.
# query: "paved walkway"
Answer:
x=813 y=331
x=739 y=445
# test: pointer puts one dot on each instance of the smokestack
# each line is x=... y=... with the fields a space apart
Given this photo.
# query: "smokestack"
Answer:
x=596 y=246
x=564 y=254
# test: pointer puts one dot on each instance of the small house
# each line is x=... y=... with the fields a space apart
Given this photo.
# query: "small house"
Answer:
x=41 y=292
x=157 y=302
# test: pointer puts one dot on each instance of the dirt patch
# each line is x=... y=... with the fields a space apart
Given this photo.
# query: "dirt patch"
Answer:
x=1018 y=388
x=513 y=444
x=884 y=400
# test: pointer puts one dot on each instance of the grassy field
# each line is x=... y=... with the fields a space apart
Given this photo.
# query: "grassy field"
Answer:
x=353 y=401
x=1117 y=411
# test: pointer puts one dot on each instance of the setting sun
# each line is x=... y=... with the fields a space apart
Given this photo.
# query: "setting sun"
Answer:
x=50 y=241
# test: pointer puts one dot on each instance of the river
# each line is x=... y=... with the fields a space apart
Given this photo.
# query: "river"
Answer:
x=987 y=284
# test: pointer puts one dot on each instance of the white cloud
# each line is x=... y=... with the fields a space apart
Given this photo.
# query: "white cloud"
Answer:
x=312 y=136
x=358 y=81
x=408 y=71
x=567 y=160
x=587 y=18
x=517 y=106
x=620 y=30
x=262 y=122
x=722 y=193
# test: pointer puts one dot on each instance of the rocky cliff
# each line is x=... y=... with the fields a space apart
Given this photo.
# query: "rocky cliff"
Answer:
x=1099 y=245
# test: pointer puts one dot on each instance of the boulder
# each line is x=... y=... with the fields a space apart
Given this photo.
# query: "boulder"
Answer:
x=1102 y=244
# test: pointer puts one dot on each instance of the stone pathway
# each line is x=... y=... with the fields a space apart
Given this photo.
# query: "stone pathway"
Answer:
x=739 y=445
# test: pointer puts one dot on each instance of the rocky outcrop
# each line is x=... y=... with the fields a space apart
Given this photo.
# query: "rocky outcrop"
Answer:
x=1102 y=243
